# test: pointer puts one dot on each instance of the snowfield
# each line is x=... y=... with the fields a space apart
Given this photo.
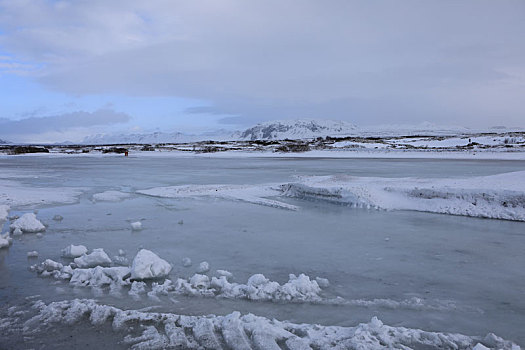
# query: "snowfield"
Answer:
x=236 y=331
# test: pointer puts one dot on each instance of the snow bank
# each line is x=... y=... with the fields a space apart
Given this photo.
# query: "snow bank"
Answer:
x=149 y=265
x=496 y=197
x=255 y=194
x=95 y=258
x=28 y=223
x=74 y=251
x=110 y=196
x=236 y=331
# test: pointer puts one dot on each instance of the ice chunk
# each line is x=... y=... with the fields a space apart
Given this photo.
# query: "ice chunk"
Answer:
x=136 y=226
x=200 y=281
x=17 y=232
x=225 y=273
x=322 y=282
x=121 y=252
x=203 y=267
x=186 y=262
x=137 y=288
x=4 y=242
x=99 y=276
x=28 y=223
x=58 y=217
x=39 y=235
x=96 y=258
x=4 y=212
x=147 y=264
x=480 y=346
x=32 y=254
x=74 y=251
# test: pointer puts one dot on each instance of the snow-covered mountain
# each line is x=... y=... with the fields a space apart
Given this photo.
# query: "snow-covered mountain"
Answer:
x=298 y=129
x=152 y=138
x=3 y=142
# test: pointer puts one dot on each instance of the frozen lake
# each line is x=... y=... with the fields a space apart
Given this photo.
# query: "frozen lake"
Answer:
x=428 y=271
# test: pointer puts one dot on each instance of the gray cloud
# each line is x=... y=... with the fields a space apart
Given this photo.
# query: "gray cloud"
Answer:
x=15 y=129
x=357 y=60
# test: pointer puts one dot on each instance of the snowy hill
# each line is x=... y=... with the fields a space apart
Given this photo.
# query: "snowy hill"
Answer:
x=298 y=129
x=3 y=142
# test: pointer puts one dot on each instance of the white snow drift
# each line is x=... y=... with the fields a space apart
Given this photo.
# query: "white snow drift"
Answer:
x=496 y=197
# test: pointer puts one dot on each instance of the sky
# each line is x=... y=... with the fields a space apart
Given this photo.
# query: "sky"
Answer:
x=69 y=69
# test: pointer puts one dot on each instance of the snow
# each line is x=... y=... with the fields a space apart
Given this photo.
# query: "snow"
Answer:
x=96 y=257
x=111 y=196
x=136 y=226
x=147 y=265
x=255 y=194
x=28 y=223
x=497 y=197
x=74 y=251
x=236 y=331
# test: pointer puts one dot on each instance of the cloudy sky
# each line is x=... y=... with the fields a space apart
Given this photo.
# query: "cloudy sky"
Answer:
x=74 y=68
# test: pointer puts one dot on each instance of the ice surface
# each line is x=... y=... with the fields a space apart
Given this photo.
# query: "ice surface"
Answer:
x=147 y=265
x=96 y=257
x=246 y=193
x=427 y=258
x=74 y=251
x=496 y=197
x=236 y=331
x=28 y=223
x=110 y=196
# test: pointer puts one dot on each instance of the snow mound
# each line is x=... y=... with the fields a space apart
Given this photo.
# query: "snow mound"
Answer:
x=236 y=331
x=496 y=197
x=255 y=194
x=147 y=264
x=74 y=251
x=110 y=196
x=28 y=223
x=95 y=258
